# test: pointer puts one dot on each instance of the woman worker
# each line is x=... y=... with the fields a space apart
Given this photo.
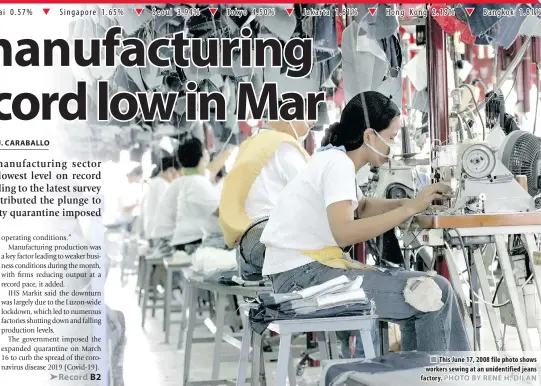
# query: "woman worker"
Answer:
x=315 y=216
x=265 y=163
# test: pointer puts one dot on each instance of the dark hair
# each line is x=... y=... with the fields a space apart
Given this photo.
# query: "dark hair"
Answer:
x=190 y=153
x=135 y=172
x=168 y=162
x=369 y=109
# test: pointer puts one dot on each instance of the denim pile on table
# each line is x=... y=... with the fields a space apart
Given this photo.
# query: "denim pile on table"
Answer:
x=232 y=278
x=337 y=297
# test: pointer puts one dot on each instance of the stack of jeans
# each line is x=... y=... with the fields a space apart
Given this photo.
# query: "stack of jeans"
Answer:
x=337 y=297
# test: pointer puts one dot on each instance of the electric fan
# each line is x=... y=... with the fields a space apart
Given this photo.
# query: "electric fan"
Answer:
x=251 y=252
x=520 y=153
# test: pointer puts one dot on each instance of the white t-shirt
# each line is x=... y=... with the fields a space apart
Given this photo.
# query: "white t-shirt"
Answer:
x=299 y=221
x=156 y=189
x=166 y=215
x=129 y=196
x=280 y=169
x=198 y=200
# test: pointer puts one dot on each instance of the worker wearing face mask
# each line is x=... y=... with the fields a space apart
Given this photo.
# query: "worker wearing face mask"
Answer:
x=265 y=163
x=322 y=211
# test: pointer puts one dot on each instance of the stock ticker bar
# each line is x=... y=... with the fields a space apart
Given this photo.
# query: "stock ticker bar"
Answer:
x=262 y=2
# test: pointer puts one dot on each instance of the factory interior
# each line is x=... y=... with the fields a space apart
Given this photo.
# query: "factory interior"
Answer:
x=240 y=251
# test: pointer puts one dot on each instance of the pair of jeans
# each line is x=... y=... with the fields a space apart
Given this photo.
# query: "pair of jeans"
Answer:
x=440 y=331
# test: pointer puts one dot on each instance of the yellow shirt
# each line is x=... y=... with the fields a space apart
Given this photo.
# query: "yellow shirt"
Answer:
x=254 y=153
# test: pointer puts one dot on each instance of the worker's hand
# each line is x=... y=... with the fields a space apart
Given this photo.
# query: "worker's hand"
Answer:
x=428 y=195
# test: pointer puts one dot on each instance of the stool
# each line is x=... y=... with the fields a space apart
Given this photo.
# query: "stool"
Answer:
x=142 y=251
x=195 y=282
x=363 y=323
x=172 y=265
x=149 y=267
x=127 y=264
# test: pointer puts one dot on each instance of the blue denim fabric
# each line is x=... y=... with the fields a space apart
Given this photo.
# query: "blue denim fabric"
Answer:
x=505 y=31
x=442 y=330
x=379 y=26
x=480 y=24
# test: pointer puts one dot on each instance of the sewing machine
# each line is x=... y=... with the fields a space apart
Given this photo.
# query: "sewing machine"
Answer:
x=489 y=207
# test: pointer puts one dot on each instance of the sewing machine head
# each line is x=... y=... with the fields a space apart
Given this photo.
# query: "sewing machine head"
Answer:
x=483 y=184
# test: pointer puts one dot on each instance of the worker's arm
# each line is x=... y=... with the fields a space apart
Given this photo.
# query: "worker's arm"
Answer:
x=369 y=207
x=348 y=231
x=340 y=195
x=218 y=162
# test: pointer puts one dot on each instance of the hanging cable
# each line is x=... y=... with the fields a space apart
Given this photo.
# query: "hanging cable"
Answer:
x=476 y=108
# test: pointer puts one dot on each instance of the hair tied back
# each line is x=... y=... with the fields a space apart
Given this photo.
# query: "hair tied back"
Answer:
x=330 y=134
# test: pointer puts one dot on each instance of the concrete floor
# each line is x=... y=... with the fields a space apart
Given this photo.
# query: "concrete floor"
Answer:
x=148 y=360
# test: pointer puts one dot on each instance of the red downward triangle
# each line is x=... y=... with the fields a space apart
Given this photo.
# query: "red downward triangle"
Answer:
x=372 y=10
x=289 y=11
x=470 y=10
x=139 y=11
x=213 y=11
x=46 y=10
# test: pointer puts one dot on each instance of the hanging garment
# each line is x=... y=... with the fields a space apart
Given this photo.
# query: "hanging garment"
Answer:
x=280 y=25
x=361 y=56
x=452 y=25
x=505 y=32
x=478 y=22
x=325 y=39
x=379 y=25
x=302 y=86
x=531 y=26
x=392 y=84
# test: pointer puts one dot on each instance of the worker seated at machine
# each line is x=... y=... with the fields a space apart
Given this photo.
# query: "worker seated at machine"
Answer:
x=197 y=199
x=164 y=220
x=130 y=196
x=265 y=163
x=314 y=218
x=164 y=173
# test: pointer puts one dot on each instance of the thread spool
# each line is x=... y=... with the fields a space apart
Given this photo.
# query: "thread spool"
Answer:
x=522 y=180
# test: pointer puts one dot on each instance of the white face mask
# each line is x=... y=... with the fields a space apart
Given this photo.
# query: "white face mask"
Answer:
x=300 y=139
x=389 y=155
